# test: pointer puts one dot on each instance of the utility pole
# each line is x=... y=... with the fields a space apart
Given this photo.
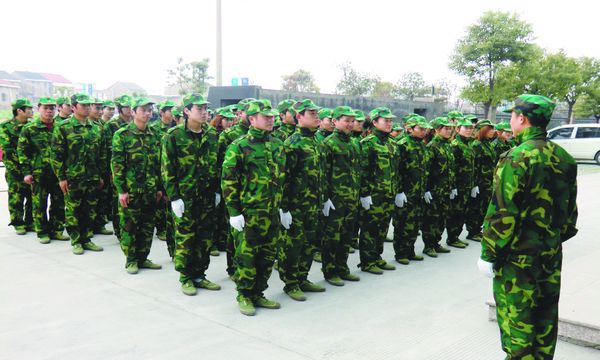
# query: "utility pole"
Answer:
x=219 y=54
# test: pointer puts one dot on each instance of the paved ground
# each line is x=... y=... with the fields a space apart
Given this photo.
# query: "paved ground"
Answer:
x=55 y=305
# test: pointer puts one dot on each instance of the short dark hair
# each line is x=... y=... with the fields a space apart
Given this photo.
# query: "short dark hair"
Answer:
x=189 y=107
x=537 y=121
x=16 y=111
x=166 y=108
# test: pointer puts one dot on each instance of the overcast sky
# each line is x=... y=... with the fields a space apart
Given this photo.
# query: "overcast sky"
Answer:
x=117 y=40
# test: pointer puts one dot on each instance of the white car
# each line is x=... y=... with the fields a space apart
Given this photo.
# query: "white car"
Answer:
x=582 y=141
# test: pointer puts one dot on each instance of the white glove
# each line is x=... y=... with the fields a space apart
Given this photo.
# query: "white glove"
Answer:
x=486 y=268
x=178 y=207
x=328 y=205
x=285 y=218
x=453 y=194
x=217 y=199
x=428 y=197
x=366 y=202
x=475 y=192
x=237 y=222
x=400 y=200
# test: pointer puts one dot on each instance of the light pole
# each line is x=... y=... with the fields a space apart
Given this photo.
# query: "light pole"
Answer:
x=219 y=59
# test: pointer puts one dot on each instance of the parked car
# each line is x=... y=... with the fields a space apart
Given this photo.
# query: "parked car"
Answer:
x=582 y=141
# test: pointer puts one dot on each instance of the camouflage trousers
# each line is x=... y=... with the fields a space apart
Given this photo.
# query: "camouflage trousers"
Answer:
x=407 y=222
x=526 y=291
x=20 y=203
x=255 y=251
x=80 y=216
x=338 y=230
x=170 y=230
x=374 y=227
x=458 y=214
x=476 y=209
x=221 y=227
x=46 y=186
x=435 y=216
x=160 y=216
x=115 y=212
x=104 y=209
x=297 y=247
x=193 y=238
x=137 y=226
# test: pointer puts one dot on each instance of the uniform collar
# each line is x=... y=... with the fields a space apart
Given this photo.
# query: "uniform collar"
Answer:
x=306 y=131
x=381 y=134
x=257 y=133
x=341 y=134
x=531 y=133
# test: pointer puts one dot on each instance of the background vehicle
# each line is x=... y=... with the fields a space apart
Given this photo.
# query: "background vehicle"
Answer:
x=582 y=141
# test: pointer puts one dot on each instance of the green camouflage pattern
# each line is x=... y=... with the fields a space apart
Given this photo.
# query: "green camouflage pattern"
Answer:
x=284 y=131
x=483 y=175
x=464 y=170
x=252 y=185
x=321 y=135
x=341 y=158
x=21 y=103
x=532 y=212
x=535 y=107
x=193 y=99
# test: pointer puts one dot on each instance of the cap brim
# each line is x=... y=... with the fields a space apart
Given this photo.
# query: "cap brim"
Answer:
x=509 y=109
x=270 y=112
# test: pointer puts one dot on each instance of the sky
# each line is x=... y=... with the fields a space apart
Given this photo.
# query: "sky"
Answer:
x=117 y=40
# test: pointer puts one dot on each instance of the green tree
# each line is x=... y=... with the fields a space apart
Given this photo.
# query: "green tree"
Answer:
x=383 y=89
x=497 y=40
x=354 y=82
x=300 y=81
x=190 y=77
x=410 y=86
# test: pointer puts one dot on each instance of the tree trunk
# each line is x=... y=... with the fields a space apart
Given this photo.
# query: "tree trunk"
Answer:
x=486 y=109
x=597 y=117
x=570 y=113
x=493 y=113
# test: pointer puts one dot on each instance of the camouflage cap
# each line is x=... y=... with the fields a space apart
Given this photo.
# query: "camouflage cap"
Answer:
x=535 y=107
x=61 y=100
x=81 y=98
x=306 y=104
x=193 y=99
x=464 y=122
x=242 y=103
x=262 y=106
x=503 y=126
x=285 y=105
x=342 y=110
x=176 y=111
x=233 y=108
x=97 y=101
x=165 y=104
x=397 y=127
x=417 y=120
x=226 y=113
x=123 y=100
x=360 y=115
x=19 y=103
x=141 y=101
x=482 y=123
x=455 y=114
x=108 y=103
x=381 y=112
x=472 y=118
x=438 y=122
x=325 y=113
x=46 y=101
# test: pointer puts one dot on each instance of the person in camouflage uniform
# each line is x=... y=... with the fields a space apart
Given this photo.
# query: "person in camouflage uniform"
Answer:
x=485 y=162
x=225 y=139
x=64 y=109
x=76 y=159
x=502 y=143
x=135 y=166
x=326 y=126
x=377 y=190
x=19 y=193
x=124 y=117
x=103 y=210
x=160 y=128
x=108 y=110
x=440 y=188
x=301 y=203
x=532 y=212
x=412 y=179
x=252 y=184
x=189 y=174
x=464 y=161
x=288 y=119
x=396 y=132
x=34 y=156
x=341 y=159
x=356 y=136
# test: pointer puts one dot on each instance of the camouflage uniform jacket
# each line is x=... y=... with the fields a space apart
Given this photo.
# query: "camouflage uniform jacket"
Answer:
x=441 y=177
x=341 y=160
x=284 y=131
x=76 y=151
x=464 y=164
x=135 y=161
x=322 y=135
x=10 y=130
x=253 y=173
x=109 y=130
x=533 y=208
x=379 y=165
x=412 y=166
x=500 y=146
x=35 y=146
x=485 y=162
x=189 y=163
x=227 y=137
x=303 y=171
